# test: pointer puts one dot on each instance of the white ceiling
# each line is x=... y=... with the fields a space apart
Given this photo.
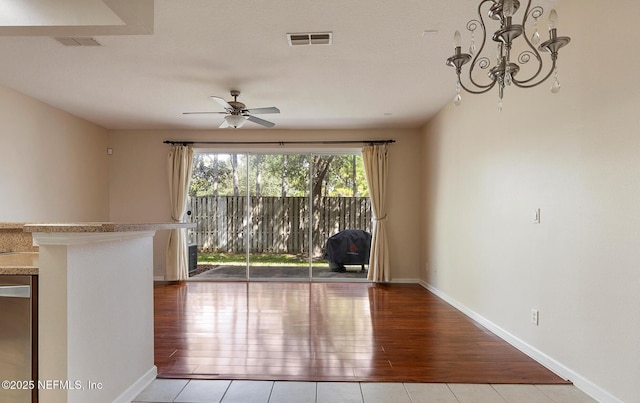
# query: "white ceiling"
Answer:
x=164 y=57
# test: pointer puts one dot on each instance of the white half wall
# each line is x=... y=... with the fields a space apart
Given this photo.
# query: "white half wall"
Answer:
x=95 y=315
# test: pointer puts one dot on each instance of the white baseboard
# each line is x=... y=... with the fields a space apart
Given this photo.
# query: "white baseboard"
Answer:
x=158 y=278
x=138 y=386
x=558 y=368
x=405 y=281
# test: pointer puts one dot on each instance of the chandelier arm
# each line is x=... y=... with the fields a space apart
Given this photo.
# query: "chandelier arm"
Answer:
x=537 y=11
x=522 y=84
x=526 y=14
x=484 y=90
x=523 y=60
x=477 y=55
x=482 y=62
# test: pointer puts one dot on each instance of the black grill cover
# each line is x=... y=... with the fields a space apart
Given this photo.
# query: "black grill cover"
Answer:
x=350 y=246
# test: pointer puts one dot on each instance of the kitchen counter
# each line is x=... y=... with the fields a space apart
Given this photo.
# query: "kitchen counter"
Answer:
x=95 y=303
x=95 y=300
x=18 y=257
x=14 y=239
x=104 y=227
x=11 y=226
x=19 y=263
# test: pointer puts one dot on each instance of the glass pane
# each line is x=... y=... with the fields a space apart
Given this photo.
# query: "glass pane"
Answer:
x=218 y=207
x=341 y=218
x=279 y=210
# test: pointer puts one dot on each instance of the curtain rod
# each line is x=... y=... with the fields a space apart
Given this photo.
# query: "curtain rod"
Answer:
x=280 y=143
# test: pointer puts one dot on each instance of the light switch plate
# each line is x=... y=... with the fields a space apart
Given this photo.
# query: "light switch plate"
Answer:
x=536 y=216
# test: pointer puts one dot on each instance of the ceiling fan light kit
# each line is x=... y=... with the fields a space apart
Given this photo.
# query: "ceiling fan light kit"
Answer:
x=235 y=121
x=502 y=69
x=238 y=114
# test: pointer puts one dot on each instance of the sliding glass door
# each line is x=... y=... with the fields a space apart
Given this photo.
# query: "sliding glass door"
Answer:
x=278 y=216
x=218 y=206
x=341 y=217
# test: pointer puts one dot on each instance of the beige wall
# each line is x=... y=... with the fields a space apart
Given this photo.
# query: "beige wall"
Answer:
x=576 y=156
x=139 y=189
x=53 y=166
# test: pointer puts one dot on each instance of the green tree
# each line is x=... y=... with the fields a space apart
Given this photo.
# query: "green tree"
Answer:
x=346 y=177
x=279 y=175
x=234 y=170
x=207 y=174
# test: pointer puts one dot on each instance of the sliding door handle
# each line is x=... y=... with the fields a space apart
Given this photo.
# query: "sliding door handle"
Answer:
x=15 y=291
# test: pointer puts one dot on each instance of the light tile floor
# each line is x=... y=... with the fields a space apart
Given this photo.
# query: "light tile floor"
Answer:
x=209 y=391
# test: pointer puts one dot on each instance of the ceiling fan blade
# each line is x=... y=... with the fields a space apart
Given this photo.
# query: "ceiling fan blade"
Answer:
x=271 y=109
x=223 y=103
x=261 y=122
x=224 y=124
x=202 y=113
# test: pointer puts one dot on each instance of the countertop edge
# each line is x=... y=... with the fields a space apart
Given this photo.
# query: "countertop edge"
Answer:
x=11 y=226
x=19 y=271
x=103 y=227
x=19 y=264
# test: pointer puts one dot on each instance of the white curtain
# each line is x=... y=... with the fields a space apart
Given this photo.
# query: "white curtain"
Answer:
x=376 y=168
x=179 y=168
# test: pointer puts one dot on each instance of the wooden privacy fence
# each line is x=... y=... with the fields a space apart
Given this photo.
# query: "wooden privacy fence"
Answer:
x=276 y=224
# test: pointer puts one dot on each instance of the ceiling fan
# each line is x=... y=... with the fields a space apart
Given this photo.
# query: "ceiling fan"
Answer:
x=237 y=113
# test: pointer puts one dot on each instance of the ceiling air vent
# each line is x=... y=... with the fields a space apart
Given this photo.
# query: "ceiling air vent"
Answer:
x=77 y=41
x=312 y=38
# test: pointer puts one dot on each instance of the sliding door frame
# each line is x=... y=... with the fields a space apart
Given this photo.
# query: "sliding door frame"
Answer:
x=311 y=152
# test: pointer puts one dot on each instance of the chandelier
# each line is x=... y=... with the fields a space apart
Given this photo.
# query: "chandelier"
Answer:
x=503 y=70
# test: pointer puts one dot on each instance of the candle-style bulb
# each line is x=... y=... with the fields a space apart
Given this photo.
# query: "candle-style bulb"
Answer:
x=553 y=19
x=457 y=39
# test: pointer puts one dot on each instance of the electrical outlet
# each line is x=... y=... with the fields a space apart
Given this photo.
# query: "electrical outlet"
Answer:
x=535 y=318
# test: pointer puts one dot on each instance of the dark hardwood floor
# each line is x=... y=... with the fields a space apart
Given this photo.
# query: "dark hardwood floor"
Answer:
x=328 y=332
